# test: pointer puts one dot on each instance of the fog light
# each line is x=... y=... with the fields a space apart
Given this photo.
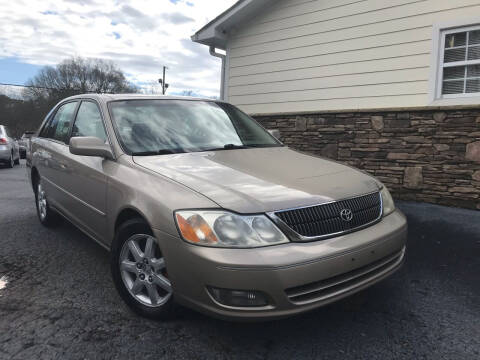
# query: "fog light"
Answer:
x=238 y=298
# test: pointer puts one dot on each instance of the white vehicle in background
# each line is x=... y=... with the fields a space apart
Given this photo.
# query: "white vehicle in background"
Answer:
x=9 y=150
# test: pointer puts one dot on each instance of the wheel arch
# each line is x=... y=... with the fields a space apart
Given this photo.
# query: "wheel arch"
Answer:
x=128 y=213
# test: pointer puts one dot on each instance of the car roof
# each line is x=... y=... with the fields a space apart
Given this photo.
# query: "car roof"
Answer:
x=120 y=97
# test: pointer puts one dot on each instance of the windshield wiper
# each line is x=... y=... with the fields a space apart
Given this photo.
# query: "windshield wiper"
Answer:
x=249 y=146
x=233 y=146
x=228 y=147
x=157 y=152
x=264 y=145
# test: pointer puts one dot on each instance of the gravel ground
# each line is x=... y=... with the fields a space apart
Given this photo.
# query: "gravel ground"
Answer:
x=57 y=300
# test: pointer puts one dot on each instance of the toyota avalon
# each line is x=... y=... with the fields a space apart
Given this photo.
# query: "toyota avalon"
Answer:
x=199 y=205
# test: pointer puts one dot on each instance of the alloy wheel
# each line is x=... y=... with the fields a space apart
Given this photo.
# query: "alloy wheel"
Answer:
x=143 y=271
x=42 y=202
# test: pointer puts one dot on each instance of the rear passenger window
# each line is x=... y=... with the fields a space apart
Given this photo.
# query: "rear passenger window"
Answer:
x=59 y=126
x=45 y=129
x=89 y=122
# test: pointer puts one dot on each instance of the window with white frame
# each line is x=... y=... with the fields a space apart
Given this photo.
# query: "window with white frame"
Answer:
x=460 y=63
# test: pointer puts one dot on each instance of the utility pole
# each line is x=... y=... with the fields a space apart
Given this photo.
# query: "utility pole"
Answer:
x=162 y=82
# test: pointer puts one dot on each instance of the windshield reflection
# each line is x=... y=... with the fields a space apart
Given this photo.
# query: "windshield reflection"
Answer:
x=158 y=127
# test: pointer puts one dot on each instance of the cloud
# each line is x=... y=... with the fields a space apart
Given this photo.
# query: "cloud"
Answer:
x=132 y=12
x=177 y=18
x=140 y=37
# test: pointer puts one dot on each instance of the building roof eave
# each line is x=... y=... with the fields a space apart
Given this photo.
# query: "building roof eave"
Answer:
x=215 y=33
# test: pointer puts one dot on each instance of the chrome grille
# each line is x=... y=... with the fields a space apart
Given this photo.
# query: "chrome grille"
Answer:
x=324 y=220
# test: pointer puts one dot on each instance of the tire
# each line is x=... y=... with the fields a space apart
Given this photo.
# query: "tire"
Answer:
x=140 y=276
x=11 y=162
x=46 y=215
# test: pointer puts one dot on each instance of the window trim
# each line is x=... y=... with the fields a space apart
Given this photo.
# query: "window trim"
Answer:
x=438 y=52
x=442 y=65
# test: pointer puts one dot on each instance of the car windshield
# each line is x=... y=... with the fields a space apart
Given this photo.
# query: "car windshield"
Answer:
x=149 y=127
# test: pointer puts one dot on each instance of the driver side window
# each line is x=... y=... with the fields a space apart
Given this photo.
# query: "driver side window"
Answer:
x=89 y=122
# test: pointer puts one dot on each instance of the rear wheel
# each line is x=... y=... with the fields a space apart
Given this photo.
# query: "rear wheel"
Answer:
x=11 y=162
x=46 y=215
x=139 y=271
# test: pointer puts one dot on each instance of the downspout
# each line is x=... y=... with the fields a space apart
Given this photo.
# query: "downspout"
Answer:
x=223 y=57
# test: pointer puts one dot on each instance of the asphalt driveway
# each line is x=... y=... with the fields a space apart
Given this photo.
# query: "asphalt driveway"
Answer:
x=57 y=300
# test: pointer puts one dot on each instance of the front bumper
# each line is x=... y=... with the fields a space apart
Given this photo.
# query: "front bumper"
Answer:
x=296 y=277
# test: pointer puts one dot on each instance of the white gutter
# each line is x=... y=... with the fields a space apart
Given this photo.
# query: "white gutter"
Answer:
x=223 y=57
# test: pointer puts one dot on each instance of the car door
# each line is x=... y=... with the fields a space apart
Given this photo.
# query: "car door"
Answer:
x=50 y=152
x=85 y=181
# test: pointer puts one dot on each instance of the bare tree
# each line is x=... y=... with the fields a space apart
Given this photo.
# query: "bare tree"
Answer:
x=78 y=76
x=54 y=83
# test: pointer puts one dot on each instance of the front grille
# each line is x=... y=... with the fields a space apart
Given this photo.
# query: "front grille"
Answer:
x=323 y=220
x=337 y=285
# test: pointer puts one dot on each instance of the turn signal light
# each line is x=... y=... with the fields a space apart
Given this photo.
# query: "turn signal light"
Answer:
x=195 y=229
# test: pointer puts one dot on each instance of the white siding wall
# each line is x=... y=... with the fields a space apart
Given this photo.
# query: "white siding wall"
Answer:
x=319 y=55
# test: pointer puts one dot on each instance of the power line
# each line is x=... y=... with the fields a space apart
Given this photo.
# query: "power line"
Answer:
x=47 y=88
x=27 y=86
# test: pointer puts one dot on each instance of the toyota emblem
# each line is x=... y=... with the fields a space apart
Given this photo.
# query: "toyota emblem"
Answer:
x=346 y=215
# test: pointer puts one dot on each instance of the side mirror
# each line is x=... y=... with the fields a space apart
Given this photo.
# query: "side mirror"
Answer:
x=90 y=146
x=275 y=133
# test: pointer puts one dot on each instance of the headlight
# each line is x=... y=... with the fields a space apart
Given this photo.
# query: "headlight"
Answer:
x=387 y=201
x=224 y=229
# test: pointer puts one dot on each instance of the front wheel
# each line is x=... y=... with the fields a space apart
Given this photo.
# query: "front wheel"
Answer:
x=139 y=271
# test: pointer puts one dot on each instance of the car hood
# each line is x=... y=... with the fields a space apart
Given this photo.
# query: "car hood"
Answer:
x=261 y=179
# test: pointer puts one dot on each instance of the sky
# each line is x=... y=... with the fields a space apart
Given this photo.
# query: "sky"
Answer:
x=139 y=36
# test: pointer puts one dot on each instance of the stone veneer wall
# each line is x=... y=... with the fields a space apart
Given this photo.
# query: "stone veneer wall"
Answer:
x=424 y=155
